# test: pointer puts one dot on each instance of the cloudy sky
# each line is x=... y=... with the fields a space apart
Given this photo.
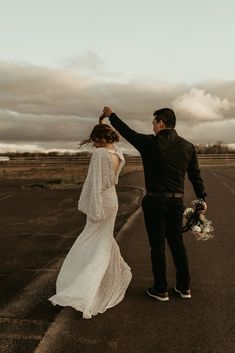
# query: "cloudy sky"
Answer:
x=61 y=61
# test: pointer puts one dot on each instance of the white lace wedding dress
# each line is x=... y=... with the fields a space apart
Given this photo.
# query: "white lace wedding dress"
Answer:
x=94 y=276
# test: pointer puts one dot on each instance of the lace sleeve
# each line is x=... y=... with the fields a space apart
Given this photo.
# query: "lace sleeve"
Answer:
x=98 y=179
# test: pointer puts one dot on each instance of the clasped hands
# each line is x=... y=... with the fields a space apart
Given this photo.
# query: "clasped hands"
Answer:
x=107 y=111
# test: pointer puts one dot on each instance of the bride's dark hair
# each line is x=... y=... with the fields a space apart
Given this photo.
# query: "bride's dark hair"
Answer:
x=102 y=133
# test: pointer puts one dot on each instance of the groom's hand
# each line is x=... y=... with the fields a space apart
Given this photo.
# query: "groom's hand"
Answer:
x=107 y=111
x=203 y=208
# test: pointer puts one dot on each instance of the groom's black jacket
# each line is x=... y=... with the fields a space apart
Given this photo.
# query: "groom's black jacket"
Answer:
x=166 y=159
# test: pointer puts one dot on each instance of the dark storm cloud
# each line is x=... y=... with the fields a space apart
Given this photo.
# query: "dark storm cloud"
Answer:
x=45 y=104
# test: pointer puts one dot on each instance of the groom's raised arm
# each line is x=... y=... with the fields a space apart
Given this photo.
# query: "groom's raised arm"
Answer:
x=136 y=139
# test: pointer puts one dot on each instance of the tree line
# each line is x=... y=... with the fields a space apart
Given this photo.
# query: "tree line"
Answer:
x=216 y=148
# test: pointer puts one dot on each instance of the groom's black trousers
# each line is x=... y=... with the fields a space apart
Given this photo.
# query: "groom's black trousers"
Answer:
x=163 y=219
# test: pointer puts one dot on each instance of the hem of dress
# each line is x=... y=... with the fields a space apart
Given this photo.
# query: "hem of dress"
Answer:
x=63 y=301
x=69 y=301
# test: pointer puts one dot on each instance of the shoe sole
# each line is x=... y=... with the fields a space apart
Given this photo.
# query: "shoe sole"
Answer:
x=161 y=299
x=184 y=296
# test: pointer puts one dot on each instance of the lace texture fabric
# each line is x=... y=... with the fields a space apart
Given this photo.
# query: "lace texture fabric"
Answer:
x=94 y=276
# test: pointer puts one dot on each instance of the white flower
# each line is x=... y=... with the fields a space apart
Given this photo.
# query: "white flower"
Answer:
x=196 y=229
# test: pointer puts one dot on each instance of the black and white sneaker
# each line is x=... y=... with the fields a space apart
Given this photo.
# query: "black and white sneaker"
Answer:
x=163 y=297
x=185 y=294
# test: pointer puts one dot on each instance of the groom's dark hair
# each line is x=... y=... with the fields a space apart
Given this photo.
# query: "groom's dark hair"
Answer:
x=167 y=116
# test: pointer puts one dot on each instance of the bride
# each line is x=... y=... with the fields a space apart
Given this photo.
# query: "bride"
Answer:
x=94 y=276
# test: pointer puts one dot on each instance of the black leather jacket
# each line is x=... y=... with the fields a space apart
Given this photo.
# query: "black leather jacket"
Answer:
x=166 y=159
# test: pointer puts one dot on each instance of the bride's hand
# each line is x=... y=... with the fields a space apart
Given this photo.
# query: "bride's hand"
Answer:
x=107 y=111
x=101 y=118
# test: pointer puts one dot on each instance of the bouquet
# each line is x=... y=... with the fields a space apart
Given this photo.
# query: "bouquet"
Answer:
x=196 y=222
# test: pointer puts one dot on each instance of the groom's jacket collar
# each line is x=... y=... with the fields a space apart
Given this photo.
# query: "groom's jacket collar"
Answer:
x=167 y=138
x=167 y=132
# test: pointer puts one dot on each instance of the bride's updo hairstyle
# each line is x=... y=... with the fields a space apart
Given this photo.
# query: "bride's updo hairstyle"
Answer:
x=102 y=133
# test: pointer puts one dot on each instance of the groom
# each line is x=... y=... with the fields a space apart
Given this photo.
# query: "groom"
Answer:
x=166 y=159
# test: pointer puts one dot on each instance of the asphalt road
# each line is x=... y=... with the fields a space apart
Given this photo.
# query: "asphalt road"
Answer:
x=31 y=257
